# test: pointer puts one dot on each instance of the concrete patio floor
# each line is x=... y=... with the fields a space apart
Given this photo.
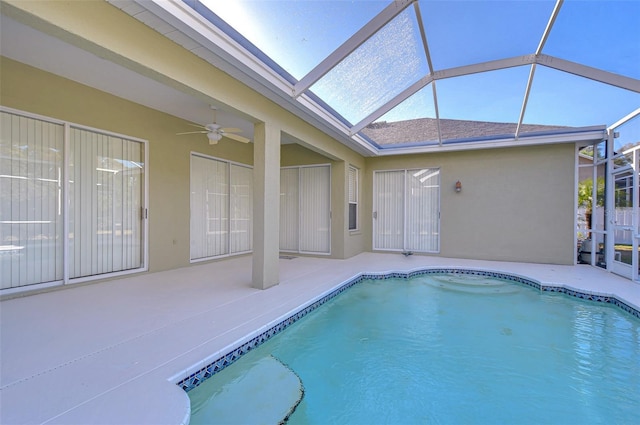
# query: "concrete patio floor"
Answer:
x=111 y=352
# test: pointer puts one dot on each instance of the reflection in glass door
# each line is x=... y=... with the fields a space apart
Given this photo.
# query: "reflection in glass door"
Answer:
x=625 y=245
x=636 y=233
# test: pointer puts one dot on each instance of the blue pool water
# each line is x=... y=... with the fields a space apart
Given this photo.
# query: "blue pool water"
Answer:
x=451 y=349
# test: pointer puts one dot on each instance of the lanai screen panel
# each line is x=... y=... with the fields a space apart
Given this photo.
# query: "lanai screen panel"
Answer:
x=484 y=97
x=466 y=55
x=297 y=35
x=558 y=96
x=387 y=63
x=628 y=136
x=469 y=32
x=600 y=34
x=412 y=121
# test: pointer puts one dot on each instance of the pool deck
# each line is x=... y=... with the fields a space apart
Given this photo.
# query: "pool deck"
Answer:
x=111 y=352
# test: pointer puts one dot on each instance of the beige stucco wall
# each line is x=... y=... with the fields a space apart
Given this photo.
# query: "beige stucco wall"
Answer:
x=516 y=204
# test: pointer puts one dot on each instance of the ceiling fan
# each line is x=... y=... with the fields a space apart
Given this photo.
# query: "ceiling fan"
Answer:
x=215 y=132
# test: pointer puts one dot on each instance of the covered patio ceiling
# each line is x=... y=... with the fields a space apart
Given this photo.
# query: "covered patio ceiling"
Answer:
x=492 y=70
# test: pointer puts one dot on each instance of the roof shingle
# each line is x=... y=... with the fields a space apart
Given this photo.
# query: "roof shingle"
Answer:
x=426 y=130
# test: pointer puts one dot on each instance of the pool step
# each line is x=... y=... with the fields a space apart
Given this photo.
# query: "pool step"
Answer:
x=472 y=284
x=265 y=392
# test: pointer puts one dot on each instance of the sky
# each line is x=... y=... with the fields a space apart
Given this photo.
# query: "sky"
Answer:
x=599 y=33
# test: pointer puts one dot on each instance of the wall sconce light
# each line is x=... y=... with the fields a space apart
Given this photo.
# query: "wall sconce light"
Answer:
x=458 y=186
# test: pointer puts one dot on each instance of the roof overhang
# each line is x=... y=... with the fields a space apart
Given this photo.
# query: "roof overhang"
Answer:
x=581 y=136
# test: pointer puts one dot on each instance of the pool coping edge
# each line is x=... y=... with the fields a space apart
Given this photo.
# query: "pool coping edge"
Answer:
x=192 y=377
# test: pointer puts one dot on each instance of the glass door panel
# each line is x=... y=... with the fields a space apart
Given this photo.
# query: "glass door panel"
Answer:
x=315 y=209
x=106 y=196
x=31 y=161
x=305 y=209
x=623 y=240
x=623 y=246
x=289 y=209
x=388 y=210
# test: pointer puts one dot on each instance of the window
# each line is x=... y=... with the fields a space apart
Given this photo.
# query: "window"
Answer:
x=68 y=212
x=221 y=208
x=353 y=198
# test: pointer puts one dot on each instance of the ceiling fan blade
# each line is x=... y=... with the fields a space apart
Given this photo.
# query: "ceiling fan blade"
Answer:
x=231 y=130
x=237 y=138
x=193 y=132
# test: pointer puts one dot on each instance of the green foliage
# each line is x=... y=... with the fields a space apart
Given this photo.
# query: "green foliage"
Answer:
x=587 y=151
x=585 y=193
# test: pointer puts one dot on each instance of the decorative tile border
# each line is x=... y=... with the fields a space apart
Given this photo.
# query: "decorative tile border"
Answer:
x=197 y=377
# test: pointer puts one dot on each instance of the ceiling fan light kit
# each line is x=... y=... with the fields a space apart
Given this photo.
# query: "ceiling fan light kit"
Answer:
x=214 y=137
x=215 y=132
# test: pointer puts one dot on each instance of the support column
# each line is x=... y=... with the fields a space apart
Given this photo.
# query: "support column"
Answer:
x=266 y=206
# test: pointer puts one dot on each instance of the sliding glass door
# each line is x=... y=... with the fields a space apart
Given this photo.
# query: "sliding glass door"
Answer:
x=305 y=209
x=72 y=202
x=406 y=214
x=221 y=208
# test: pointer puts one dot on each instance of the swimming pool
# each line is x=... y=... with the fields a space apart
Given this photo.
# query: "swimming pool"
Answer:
x=451 y=348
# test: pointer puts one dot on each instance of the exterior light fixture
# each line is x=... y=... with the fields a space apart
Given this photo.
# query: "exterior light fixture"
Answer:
x=458 y=186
